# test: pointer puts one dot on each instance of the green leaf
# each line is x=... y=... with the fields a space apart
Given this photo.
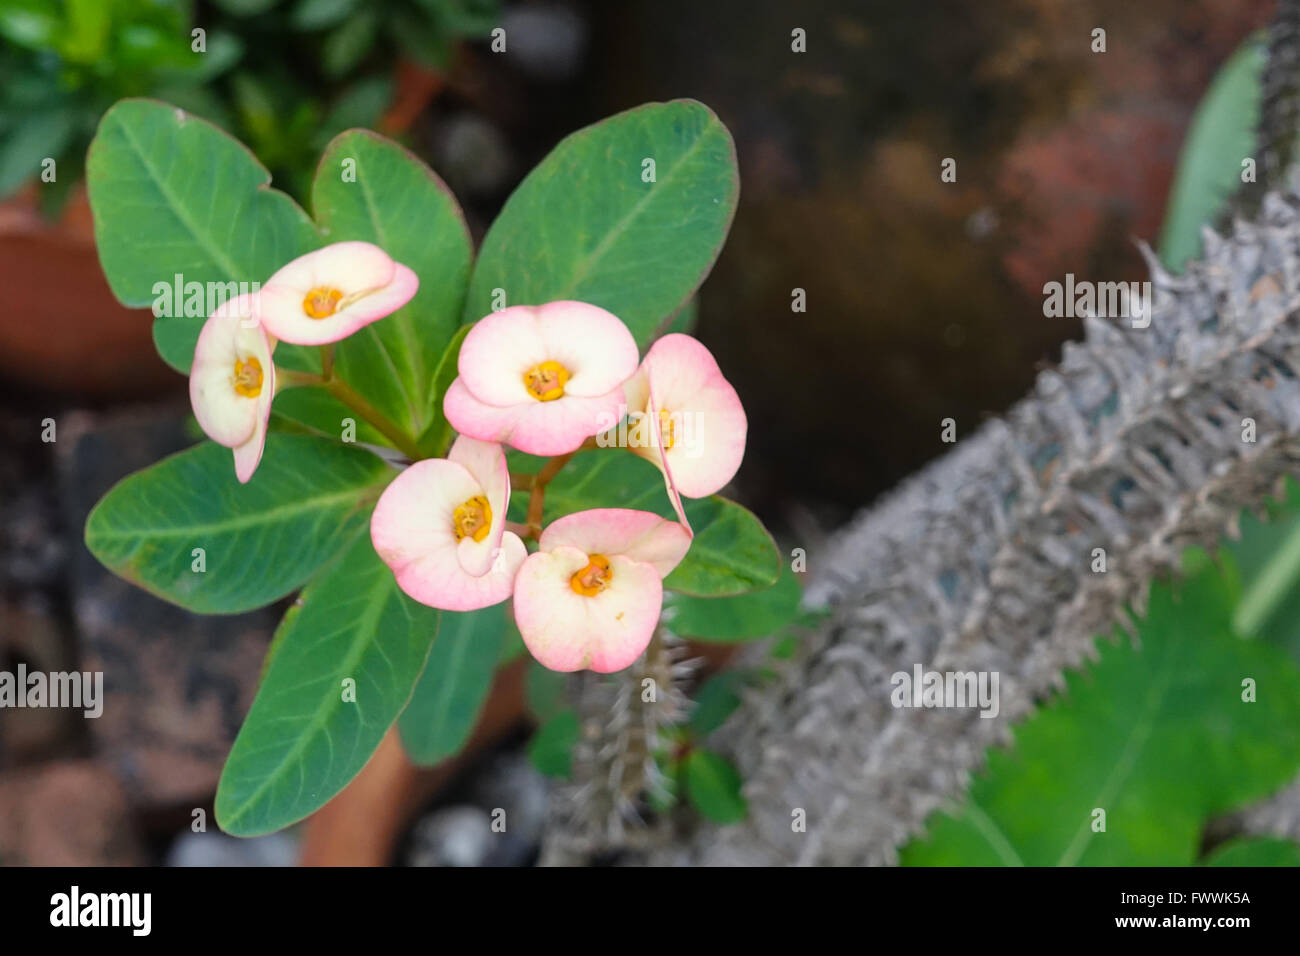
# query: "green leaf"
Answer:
x=210 y=212
x=1221 y=135
x=732 y=553
x=713 y=787
x=1255 y=851
x=349 y=43
x=584 y=225
x=454 y=685
x=551 y=749
x=318 y=14
x=35 y=138
x=398 y=204
x=544 y=691
x=260 y=541
x=745 y=617
x=1159 y=738
x=351 y=652
x=318 y=411
x=211 y=216
x=717 y=699
x=437 y=437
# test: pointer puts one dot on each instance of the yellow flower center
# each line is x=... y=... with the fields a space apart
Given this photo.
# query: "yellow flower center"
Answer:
x=321 y=302
x=546 y=382
x=473 y=519
x=248 y=377
x=594 y=578
x=667 y=429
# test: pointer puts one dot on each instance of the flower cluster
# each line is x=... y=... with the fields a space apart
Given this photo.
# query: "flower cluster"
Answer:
x=543 y=379
x=316 y=299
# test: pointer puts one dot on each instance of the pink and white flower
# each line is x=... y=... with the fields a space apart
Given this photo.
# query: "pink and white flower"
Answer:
x=440 y=526
x=232 y=382
x=328 y=294
x=591 y=595
x=697 y=426
x=541 y=378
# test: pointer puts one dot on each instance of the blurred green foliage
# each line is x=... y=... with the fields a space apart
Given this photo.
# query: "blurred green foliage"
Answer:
x=285 y=76
x=1162 y=732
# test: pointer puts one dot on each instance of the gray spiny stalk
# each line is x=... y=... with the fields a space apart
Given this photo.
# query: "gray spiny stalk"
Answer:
x=621 y=723
x=983 y=561
x=1134 y=444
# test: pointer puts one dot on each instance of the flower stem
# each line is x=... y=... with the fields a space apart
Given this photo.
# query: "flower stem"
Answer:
x=350 y=397
x=537 y=494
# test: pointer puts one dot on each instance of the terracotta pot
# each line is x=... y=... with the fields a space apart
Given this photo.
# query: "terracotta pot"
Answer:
x=361 y=826
x=61 y=329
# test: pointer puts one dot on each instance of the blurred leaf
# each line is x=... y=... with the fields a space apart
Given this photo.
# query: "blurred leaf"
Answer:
x=319 y=14
x=306 y=736
x=1267 y=561
x=246 y=8
x=1221 y=135
x=584 y=225
x=455 y=683
x=348 y=43
x=745 y=617
x=397 y=203
x=1159 y=738
x=85 y=30
x=551 y=749
x=717 y=699
x=360 y=105
x=1255 y=851
x=28 y=23
x=713 y=786
x=29 y=142
x=261 y=541
x=544 y=691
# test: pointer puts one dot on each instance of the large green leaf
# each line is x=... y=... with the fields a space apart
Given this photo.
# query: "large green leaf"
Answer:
x=732 y=553
x=745 y=617
x=349 y=654
x=172 y=194
x=1159 y=738
x=455 y=682
x=437 y=436
x=319 y=412
x=260 y=541
x=1222 y=134
x=397 y=203
x=585 y=225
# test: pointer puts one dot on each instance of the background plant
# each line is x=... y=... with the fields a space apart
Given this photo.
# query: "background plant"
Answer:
x=283 y=75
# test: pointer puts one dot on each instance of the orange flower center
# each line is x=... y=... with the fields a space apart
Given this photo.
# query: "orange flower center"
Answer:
x=594 y=578
x=321 y=302
x=667 y=429
x=545 y=382
x=248 y=377
x=473 y=519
